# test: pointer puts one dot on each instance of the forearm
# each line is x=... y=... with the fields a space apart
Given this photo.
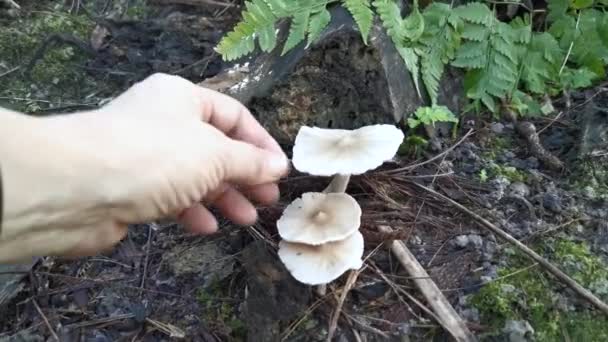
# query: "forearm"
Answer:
x=46 y=180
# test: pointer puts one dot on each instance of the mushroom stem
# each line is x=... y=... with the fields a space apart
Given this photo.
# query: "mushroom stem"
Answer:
x=338 y=183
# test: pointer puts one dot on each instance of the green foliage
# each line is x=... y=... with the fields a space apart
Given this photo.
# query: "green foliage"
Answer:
x=413 y=145
x=523 y=293
x=506 y=63
x=491 y=52
x=362 y=13
x=431 y=115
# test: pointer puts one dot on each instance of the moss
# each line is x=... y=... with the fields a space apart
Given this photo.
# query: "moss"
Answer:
x=220 y=313
x=532 y=295
x=509 y=172
x=57 y=77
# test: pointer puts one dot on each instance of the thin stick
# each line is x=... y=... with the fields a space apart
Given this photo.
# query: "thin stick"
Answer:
x=448 y=318
x=46 y=321
x=583 y=292
x=352 y=278
x=411 y=167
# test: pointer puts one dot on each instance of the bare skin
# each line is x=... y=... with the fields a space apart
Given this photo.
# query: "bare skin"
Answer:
x=164 y=148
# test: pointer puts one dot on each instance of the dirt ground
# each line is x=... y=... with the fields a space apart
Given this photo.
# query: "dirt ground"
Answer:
x=161 y=284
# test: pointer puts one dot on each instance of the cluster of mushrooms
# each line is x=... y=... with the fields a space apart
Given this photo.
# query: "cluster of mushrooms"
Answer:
x=320 y=238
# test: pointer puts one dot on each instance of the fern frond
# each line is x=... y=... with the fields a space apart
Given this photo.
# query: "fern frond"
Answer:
x=439 y=42
x=390 y=15
x=317 y=23
x=494 y=68
x=400 y=33
x=259 y=20
x=476 y=13
x=297 y=30
x=363 y=14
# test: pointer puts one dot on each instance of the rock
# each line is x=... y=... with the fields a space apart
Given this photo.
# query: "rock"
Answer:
x=517 y=331
x=470 y=315
x=497 y=127
x=589 y=192
x=507 y=288
x=519 y=189
x=499 y=184
x=463 y=241
x=532 y=162
x=552 y=202
x=594 y=131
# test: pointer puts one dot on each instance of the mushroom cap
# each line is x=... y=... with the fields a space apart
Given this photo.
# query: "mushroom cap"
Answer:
x=315 y=265
x=317 y=218
x=326 y=152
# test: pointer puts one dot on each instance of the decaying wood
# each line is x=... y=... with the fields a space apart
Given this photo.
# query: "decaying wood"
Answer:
x=528 y=131
x=448 y=318
x=583 y=292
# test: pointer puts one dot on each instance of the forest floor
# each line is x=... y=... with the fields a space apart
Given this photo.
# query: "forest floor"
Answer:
x=162 y=284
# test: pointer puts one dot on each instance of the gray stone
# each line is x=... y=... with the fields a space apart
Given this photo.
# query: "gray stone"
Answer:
x=552 y=202
x=519 y=189
x=497 y=127
x=518 y=331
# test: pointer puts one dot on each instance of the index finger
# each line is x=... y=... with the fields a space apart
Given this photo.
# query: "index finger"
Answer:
x=231 y=117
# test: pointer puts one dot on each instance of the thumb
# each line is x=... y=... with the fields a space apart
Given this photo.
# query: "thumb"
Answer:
x=247 y=164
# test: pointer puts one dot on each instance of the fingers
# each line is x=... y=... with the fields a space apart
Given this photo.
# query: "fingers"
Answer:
x=236 y=207
x=199 y=220
x=246 y=165
x=233 y=119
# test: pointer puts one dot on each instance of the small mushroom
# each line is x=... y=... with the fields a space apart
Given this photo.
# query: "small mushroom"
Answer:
x=321 y=264
x=317 y=218
x=327 y=152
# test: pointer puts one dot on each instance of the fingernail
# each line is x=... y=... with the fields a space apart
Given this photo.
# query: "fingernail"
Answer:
x=279 y=165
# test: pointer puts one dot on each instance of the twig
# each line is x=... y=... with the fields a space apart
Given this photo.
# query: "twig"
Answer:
x=578 y=19
x=440 y=155
x=583 y=292
x=10 y=71
x=448 y=317
x=350 y=281
x=46 y=321
x=146 y=260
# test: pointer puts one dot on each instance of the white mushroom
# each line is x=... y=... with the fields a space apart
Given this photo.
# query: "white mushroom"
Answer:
x=327 y=152
x=317 y=218
x=319 y=265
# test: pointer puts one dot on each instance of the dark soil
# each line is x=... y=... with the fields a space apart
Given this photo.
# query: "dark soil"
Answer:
x=161 y=284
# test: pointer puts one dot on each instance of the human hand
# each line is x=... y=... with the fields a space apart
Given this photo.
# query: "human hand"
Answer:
x=164 y=148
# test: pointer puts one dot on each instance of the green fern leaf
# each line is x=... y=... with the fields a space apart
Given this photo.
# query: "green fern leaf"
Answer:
x=431 y=115
x=439 y=42
x=389 y=13
x=493 y=61
x=362 y=13
x=411 y=60
x=476 y=13
x=318 y=22
x=413 y=25
x=297 y=30
x=475 y=32
x=391 y=19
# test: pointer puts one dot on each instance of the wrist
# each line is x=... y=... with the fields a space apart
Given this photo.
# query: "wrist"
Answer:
x=43 y=162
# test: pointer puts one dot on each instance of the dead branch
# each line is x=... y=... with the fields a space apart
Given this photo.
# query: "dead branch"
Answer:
x=352 y=278
x=528 y=131
x=446 y=314
x=440 y=155
x=583 y=292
